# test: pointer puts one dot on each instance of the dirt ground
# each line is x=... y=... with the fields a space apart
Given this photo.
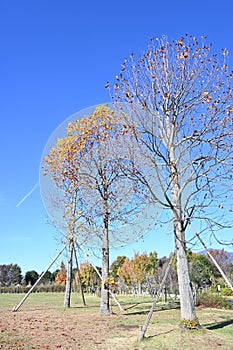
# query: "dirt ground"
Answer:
x=42 y=323
x=49 y=329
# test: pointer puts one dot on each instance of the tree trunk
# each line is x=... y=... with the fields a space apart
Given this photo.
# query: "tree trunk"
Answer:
x=164 y=294
x=139 y=288
x=187 y=307
x=104 y=303
x=69 y=276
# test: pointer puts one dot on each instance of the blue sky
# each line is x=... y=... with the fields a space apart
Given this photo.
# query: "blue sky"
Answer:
x=55 y=58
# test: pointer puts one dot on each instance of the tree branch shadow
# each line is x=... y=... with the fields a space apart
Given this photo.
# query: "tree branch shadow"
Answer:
x=161 y=333
x=164 y=307
x=219 y=325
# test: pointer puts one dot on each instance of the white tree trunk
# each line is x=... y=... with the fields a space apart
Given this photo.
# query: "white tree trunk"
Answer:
x=185 y=290
x=104 y=303
x=187 y=306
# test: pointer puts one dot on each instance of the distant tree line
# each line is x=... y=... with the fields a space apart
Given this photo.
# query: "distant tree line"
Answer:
x=141 y=274
x=11 y=276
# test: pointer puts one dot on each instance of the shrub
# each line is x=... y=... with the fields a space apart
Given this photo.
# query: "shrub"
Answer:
x=212 y=300
x=227 y=292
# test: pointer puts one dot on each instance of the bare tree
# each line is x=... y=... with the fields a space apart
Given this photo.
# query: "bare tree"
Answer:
x=180 y=100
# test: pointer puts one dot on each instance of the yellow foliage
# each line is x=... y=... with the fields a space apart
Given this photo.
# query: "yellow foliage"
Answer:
x=110 y=281
x=61 y=276
x=81 y=137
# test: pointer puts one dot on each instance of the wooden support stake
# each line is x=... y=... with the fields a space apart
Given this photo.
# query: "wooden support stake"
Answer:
x=39 y=279
x=79 y=278
x=96 y=270
x=146 y=324
x=212 y=258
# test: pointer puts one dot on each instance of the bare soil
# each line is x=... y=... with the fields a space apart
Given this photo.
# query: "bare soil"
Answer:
x=49 y=329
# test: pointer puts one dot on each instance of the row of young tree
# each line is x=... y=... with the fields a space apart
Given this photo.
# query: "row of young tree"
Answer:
x=169 y=147
x=144 y=273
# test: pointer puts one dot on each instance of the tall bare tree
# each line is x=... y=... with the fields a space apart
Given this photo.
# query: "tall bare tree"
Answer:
x=179 y=96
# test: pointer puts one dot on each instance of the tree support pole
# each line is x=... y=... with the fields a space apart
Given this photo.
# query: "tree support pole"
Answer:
x=79 y=278
x=96 y=270
x=212 y=258
x=39 y=279
x=67 y=296
x=146 y=324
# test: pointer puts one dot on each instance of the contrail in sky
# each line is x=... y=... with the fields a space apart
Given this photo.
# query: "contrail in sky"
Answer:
x=27 y=195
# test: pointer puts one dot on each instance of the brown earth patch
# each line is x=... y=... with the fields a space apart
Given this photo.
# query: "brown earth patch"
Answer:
x=52 y=329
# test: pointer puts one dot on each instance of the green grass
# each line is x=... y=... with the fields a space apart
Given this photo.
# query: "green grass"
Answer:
x=44 y=300
x=162 y=334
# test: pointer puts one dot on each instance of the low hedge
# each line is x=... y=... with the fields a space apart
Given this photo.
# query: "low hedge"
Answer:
x=212 y=300
x=50 y=288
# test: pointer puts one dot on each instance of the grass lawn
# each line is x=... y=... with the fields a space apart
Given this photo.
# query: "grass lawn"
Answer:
x=43 y=323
